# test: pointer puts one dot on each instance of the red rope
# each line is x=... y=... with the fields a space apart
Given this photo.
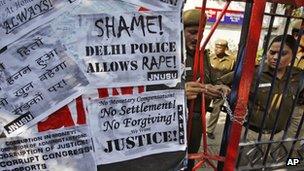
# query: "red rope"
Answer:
x=196 y=62
x=215 y=25
x=245 y=81
x=204 y=157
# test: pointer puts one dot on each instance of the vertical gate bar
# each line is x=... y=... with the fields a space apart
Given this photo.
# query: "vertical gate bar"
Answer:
x=289 y=119
x=261 y=127
x=294 y=102
x=214 y=26
x=284 y=91
x=203 y=105
x=201 y=67
x=297 y=135
x=245 y=82
x=202 y=73
x=196 y=65
x=301 y=31
x=241 y=47
x=265 y=45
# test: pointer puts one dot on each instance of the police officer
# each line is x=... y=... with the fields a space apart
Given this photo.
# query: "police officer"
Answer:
x=299 y=61
x=194 y=89
x=277 y=93
x=221 y=63
x=277 y=98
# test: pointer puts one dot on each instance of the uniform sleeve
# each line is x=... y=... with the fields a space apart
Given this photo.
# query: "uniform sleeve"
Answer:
x=233 y=63
x=226 y=79
x=301 y=86
x=209 y=78
x=293 y=127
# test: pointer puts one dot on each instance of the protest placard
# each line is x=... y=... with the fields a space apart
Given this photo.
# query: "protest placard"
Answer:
x=18 y=17
x=131 y=48
x=128 y=127
x=69 y=149
x=73 y=114
x=104 y=6
x=38 y=76
x=158 y=5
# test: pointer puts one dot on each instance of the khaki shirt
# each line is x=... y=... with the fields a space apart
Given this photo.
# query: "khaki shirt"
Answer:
x=299 y=62
x=222 y=66
x=259 y=105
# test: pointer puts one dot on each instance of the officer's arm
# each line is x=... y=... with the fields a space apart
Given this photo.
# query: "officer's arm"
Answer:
x=226 y=79
x=194 y=88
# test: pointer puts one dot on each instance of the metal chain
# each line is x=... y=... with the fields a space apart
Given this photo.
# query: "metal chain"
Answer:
x=238 y=119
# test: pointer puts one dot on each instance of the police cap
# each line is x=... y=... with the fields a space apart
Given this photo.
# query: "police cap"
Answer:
x=192 y=17
x=296 y=25
x=221 y=42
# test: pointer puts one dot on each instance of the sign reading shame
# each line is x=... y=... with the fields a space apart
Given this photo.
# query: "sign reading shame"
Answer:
x=131 y=48
x=38 y=77
x=127 y=127
x=69 y=149
x=18 y=17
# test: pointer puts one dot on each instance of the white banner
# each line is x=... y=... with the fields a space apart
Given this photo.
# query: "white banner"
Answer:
x=38 y=77
x=66 y=150
x=104 y=6
x=73 y=114
x=128 y=127
x=159 y=5
x=131 y=48
x=18 y=17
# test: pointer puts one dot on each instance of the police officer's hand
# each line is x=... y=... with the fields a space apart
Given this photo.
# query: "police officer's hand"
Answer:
x=193 y=89
x=212 y=91
x=224 y=89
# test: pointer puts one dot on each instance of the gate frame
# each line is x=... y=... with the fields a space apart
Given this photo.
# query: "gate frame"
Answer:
x=229 y=147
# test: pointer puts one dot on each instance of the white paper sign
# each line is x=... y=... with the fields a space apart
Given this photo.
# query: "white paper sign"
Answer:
x=73 y=114
x=66 y=150
x=18 y=17
x=128 y=127
x=38 y=76
x=131 y=48
x=159 y=5
x=105 y=6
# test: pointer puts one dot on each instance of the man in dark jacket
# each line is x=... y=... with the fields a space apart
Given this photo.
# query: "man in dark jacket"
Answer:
x=194 y=89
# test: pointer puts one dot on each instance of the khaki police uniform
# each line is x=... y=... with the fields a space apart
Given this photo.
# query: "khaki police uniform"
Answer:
x=299 y=109
x=220 y=66
x=276 y=98
x=191 y=18
x=299 y=62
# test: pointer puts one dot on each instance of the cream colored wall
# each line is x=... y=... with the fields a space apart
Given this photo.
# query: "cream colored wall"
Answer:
x=228 y=32
x=232 y=32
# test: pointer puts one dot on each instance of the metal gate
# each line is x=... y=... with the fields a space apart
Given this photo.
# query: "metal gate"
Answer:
x=267 y=149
